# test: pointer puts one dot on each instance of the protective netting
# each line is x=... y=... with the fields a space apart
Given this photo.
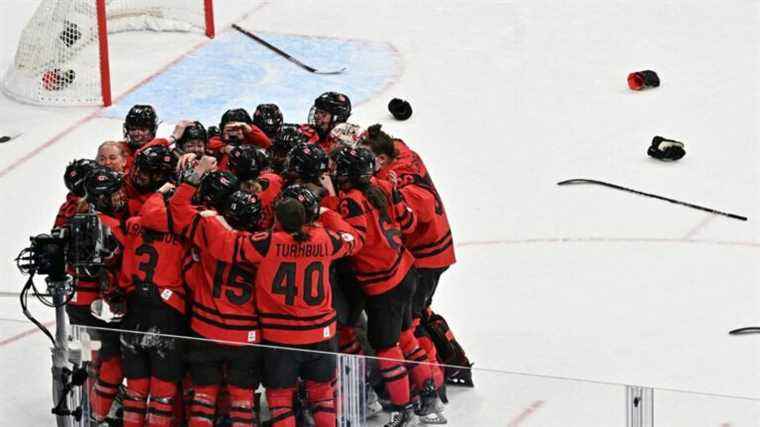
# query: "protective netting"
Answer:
x=58 y=59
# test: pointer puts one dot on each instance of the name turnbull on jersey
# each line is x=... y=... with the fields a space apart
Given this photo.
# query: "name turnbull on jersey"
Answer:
x=301 y=250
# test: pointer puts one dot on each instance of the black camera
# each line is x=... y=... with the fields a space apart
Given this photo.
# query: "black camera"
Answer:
x=80 y=243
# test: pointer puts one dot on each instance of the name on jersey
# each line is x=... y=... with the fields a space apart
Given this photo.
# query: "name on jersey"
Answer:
x=300 y=250
x=153 y=236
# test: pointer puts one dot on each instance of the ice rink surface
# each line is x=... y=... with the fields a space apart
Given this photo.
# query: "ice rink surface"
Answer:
x=509 y=98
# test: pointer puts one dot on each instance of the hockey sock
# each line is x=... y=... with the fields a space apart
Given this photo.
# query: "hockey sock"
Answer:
x=432 y=354
x=135 y=402
x=242 y=407
x=106 y=387
x=281 y=406
x=320 y=396
x=202 y=406
x=348 y=341
x=161 y=408
x=394 y=373
x=420 y=370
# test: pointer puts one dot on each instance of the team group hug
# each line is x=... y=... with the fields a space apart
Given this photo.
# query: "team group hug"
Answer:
x=270 y=246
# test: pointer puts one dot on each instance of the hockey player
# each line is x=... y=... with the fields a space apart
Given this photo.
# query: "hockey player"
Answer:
x=288 y=137
x=153 y=284
x=328 y=110
x=140 y=126
x=88 y=289
x=385 y=271
x=150 y=277
x=154 y=166
x=294 y=302
x=236 y=127
x=192 y=138
x=104 y=193
x=431 y=244
x=268 y=118
x=113 y=155
x=223 y=307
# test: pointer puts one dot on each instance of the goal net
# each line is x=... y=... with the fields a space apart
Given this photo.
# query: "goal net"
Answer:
x=63 y=58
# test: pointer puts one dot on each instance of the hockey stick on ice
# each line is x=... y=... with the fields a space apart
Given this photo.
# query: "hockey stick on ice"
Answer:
x=641 y=193
x=6 y=138
x=283 y=54
x=746 y=331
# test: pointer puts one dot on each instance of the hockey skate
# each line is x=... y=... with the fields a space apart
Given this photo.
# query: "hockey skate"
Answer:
x=402 y=417
x=372 y=403
x=430 y=410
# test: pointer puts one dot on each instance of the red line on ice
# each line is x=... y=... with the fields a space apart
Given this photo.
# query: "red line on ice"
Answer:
x=530 y=410
x=24 y=334
x=23 y=159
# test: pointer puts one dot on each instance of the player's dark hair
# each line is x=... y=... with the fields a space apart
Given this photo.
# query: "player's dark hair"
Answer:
x=375 y=195
x=291 y=215
x=379 y=142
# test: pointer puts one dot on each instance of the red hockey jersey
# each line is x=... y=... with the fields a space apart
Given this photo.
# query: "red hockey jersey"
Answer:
x=293 y=291
x=223 y=293
x=384 y=261
x=431 y=242
x=153 y=254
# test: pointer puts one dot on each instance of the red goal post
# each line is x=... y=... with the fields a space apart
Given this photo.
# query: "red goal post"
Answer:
x=58 y=61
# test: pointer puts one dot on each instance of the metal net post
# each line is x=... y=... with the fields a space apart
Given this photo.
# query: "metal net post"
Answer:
x=639 y=406
x=351 y=388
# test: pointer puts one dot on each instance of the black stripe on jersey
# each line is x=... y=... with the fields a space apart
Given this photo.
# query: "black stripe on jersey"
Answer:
x=292 y=317
x=214 y=311
x=202 y=404
x=361 y=228
x=383 y=272
x=194 y=227
x=221 y=325
x=435 y=252
x=320 y=325
x=431 y=245
x=337 y=241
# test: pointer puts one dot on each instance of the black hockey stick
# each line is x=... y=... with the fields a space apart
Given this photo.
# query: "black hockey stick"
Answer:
x=283 y=54
x=746 y=331
x=641 y=193
x=6 y=138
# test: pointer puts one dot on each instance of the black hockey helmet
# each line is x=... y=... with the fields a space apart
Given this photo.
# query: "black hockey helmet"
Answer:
x=268 y=118
x=141 y=116
x=354 y=163
x=234 y=115
x=154 y=166
x=75 y=175
x=287 y=138
x=243 y=210
x=337 y=104
x=100 y=185
x=245 y=162
x=195 y=131
x=306 y=161
x=216 y=187
x=306 y=197
x=156 y=158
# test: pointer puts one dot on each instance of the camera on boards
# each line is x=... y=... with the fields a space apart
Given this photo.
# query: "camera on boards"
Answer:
x=80 y=244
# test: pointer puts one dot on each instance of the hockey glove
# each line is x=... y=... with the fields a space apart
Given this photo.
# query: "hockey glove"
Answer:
x=666 y=149
x=643 y=79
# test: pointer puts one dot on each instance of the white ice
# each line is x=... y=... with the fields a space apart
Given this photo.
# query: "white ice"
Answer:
x=509 y=98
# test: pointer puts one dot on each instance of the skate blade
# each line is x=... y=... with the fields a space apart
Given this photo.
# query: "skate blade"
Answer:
x=433 y=418
x=373 y=409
